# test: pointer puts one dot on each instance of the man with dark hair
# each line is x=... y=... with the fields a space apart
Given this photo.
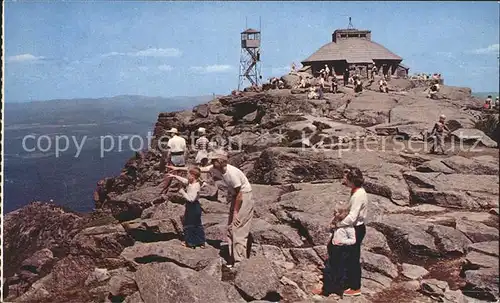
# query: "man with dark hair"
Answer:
x=353 y=178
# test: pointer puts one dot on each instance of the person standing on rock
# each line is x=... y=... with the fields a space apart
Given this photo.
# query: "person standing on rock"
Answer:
x=176 y=155
x=194 y=234
x=353 y=178
x=338 y=247
x=177 y=149
x=202 y=147
x=239 y=197
x=438 y=134
x=241 y=204
x=346 y=76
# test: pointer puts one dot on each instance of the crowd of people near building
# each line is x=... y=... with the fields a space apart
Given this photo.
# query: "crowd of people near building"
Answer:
x=424 y=76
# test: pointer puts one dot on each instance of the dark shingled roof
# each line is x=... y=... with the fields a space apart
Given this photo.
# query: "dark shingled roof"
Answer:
x=353 y=50
x=251 y=31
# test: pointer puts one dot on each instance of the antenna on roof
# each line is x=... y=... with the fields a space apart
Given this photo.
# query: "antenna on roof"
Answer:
x=350 y=26
x=246 y=22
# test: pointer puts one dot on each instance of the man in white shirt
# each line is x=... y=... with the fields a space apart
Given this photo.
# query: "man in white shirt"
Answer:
x=242 y=206
x=177 y=149
x=353 y=178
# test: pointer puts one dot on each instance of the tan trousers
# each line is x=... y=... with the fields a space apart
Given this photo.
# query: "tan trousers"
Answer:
x=240 y=230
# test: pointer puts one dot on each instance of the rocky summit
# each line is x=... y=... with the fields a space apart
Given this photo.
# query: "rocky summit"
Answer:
x=432 y=232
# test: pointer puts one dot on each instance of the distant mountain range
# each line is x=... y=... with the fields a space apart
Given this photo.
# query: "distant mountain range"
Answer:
x=68 y=180
x=485 y=94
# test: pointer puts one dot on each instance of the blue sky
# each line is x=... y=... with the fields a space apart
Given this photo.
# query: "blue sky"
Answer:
x=101 y=49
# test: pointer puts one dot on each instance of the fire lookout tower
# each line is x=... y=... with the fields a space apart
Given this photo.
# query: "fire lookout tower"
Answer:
x=250 y=57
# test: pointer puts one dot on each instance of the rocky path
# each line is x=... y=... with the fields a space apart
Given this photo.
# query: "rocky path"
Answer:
x=432 y=229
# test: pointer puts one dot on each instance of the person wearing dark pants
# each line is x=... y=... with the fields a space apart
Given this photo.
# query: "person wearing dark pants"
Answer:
x=353 y=178
x=346 y=76
x=353 y=260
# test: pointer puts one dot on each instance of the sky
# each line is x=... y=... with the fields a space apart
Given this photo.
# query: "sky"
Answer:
x=86 y=49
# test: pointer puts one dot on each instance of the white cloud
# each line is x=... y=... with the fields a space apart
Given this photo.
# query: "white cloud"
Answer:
x=150 y=52
x=143 y=68
x=24 y=58
x=212 y=69
x=165 y=67
x=492 y=49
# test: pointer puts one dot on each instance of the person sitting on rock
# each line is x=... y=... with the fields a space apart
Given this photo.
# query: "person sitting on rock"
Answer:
x=281 y=84
x=383 y=86
x=194 y=234
x=201 y=146
x=497 y=104
x=293 y=70
x=358 y=85
x=487 y=103
x=433 y=90
x=335 y=270
x=438 y=134
x=312 y=93
x=301 y=82
x=335 y=86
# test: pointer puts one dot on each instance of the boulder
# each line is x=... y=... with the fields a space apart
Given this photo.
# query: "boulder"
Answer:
x=166 y=282
x=435 y=166
x=171 y=251
x=256 y=278
x=106 y=241
x=482 y=284
x=278 y=235
x=450 y=240
x=375 y=240
x=201 y=110
x=463 y=165
x=40 y=262
x=97 y=276
x=434 y=288
x=413 y=272
x=488 y=248
x=453 y=190
x=130 y=205
x=477 y=232
x=473 y=136
x=378 y=263
x=408 y=233
x=476 y=260
x=306 y=256
x=148 y=230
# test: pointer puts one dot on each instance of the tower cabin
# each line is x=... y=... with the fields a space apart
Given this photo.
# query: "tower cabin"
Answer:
x=354 y=49
x=250 y=38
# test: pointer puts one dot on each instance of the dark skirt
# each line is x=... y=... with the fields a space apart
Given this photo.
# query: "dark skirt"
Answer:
x=194 y=234
x=335 y=271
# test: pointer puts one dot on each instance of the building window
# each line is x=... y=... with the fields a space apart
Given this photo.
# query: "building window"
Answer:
x=343 y=36
x=363 y=35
